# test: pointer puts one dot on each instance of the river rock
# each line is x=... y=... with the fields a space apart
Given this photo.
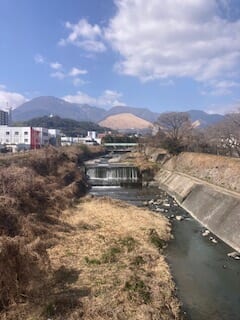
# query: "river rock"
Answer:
x=179 y=218
x=205 y=233
x=166 y=204
x=213 y=240
x=235 y=255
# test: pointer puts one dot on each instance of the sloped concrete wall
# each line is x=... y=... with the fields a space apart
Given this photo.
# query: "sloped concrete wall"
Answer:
x=217 y=210
x=177 y=185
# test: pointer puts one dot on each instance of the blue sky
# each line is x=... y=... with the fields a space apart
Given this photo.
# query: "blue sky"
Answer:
x=162 y=55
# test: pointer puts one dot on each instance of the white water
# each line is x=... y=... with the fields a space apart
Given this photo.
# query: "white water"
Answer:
x=111 y=175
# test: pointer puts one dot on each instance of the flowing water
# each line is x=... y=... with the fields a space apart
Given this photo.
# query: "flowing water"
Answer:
x=208 y=281
x=112 y=175
x=106 y=173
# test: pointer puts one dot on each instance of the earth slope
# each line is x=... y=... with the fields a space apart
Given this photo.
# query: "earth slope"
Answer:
x=125 y=121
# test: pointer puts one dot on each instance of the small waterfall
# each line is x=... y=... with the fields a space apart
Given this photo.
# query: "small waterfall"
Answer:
x=113 y=175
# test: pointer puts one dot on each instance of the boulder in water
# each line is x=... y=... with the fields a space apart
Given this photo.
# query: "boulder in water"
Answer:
x=235 y=255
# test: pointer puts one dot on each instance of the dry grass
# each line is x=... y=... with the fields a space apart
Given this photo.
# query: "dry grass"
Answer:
x=99 y=259
x=140 y=160
x=33 y=194
x=109 y=265
x=219 y=170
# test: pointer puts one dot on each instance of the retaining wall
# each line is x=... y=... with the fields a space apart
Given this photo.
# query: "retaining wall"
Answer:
x=215 y=208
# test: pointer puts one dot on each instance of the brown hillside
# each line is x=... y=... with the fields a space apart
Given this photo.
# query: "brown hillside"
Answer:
x=218 y=170
x=125 y=121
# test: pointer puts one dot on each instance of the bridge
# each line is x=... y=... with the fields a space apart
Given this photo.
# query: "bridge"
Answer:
x=120 y=147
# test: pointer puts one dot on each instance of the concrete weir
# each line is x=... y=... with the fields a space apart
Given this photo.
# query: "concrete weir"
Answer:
x=214 y=207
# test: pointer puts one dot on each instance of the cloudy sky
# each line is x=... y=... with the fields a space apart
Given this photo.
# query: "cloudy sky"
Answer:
x=159 y=54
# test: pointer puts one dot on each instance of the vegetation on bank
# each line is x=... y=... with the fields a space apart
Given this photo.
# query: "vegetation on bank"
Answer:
x=218 y=170
x=98 y=259
x=33 y=191
x=112 y=258
x=119 y=138
x=176 y=133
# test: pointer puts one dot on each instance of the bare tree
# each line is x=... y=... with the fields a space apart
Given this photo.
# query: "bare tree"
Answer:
x=224 y=137
x=234 y=118
x=175 y=128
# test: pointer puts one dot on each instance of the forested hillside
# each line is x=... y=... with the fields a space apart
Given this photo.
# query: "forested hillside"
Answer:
x=68 y=127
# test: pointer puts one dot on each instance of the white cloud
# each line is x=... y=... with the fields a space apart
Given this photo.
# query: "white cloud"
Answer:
x=79 y=82
x=2 y=87
x=107 y=99
x=81 y=98
x=61 y=74
x=224 y=109
x=10 y=99
x=110 y=98
x=73 y=73
x=76 y=72
x=56 y=65
x=221 y=87
x=38 y=58
x=175 y=38
x=85 y=36
x=58 y=74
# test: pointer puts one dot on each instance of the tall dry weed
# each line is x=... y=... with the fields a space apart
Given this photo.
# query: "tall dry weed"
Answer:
x=33 y=192
x=22 y=266
x=24 y=190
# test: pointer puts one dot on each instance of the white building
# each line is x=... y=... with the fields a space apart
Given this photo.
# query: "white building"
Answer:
x=68 y=141
x=92 y=135
x=55 y=137
x=44 y=135
x=19 y=138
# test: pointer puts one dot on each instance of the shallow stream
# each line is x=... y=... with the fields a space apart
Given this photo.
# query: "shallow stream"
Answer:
x=207 y=280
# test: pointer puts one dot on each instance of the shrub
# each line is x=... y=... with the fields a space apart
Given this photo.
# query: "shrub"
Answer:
x=110 y=255
x=156 y=240
x=33 y=192
x=22 y=266
x=137 y=289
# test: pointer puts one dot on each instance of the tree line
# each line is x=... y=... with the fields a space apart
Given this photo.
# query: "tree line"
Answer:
x=68 y=127
x=175 y=132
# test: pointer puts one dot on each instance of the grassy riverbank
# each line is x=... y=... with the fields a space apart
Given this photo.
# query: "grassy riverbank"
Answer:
x=90 y=259
x=34 y=190
x=108 y=264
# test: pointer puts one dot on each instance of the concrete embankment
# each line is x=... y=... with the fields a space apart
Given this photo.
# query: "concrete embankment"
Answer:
x=217 y=208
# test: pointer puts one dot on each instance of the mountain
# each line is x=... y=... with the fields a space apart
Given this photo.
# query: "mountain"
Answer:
x=44 y=106
x=125 y=121
x=203 y=119
x=139 y=112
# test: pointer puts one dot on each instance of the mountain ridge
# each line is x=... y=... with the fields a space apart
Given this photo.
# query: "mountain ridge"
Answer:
x=47 y=105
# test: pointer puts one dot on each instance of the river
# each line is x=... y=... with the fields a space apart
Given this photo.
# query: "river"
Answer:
x=207 y=280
